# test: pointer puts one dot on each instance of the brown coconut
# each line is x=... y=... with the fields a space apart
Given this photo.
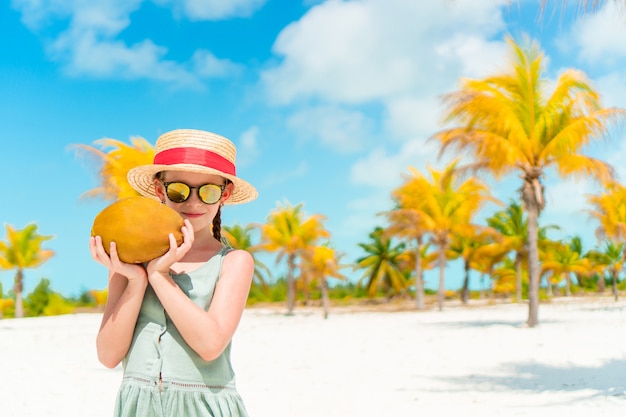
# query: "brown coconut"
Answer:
x=140 y=228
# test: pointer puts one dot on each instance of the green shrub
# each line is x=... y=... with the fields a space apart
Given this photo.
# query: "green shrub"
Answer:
x=36 y=301
x=58 y=305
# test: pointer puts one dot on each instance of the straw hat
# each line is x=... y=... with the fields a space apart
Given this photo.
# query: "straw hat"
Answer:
x=193 y=151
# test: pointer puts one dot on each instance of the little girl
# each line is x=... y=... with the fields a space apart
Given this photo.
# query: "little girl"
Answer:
x=171 y=320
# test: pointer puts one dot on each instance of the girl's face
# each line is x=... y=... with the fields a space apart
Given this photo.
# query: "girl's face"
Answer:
x=199 y=213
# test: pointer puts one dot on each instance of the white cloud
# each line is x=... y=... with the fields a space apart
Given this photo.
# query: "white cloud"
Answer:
x=411 y=116
x=394 y=54
x=599 y=37
x=83 y=54
x=247 y=150
x=219 y=9
x=613 y=89
x=336 y=128
x=382 y=170
x=207 y=65
x=475 y=56
x=375 y=49
x=108 y=17
x=90 y=44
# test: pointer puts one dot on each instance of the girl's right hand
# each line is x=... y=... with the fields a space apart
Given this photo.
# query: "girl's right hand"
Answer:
x=163 y=263
x=133 y=272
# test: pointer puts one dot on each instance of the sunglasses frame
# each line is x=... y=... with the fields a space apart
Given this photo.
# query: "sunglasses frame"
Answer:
x=167 y=184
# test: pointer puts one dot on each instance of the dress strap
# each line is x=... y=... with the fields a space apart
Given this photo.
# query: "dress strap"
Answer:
x=222 y=253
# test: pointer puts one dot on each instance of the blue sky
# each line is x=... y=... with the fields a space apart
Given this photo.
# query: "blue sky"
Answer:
x=328 y=102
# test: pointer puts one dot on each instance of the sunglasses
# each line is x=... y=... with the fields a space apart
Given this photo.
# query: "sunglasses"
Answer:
x=179 y=192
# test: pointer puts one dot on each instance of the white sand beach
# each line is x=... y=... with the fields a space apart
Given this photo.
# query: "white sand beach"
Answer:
x=477 y=361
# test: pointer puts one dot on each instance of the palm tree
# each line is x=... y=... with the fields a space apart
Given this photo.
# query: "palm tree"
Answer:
x=445 y=204
x=611 y=258
x=467 y=244
x=514 y=122
x=23 y=250
x=514 y=228
x=504 y=277
x=240 y=237
x=486 y=258
x=115 y=164
x=428 y=260
x=562 y=261
x=406 y=223
x=290 y=234
x=322 y=263
x=609 y=209
x=576 y=245
x=382 y=264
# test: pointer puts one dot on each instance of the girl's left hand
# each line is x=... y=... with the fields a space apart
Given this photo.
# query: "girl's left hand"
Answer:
x=163 y=263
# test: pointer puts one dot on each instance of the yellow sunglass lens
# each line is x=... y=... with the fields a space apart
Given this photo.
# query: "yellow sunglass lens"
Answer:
x=178 y=192
x=210 y=193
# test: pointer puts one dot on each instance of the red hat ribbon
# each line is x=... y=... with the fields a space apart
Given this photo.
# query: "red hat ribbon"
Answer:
x=195 y=156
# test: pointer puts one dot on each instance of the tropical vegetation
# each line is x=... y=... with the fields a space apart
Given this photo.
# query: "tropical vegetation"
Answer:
x=516 y=122
x=22 y=250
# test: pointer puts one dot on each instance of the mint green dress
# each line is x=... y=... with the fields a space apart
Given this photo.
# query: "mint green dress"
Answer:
x=163 y=376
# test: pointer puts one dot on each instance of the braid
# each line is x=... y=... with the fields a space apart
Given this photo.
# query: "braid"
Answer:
x=217 y=220
x=217 y=224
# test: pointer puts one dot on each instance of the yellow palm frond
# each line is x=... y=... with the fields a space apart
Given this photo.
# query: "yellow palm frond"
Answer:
x=514 y=121
x=286 y=230
x=577 y=165
x=115 y=163
x=609 y=209
x=23 y=248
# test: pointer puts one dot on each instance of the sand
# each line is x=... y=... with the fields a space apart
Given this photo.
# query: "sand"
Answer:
x=475 y=361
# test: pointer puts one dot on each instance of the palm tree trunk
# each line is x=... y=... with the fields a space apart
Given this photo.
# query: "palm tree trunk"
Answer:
x=419 y=292
x=482 y=286
x=615 y=285
x=550 y=288
x=304 y=282
x=532 y=196
x=579 y=279
x=291 y=285
x=419 y=279
x=518 y=278
x=18 y=289
x=601 y=284
x=441 y=292
x=533 y=265
x=465 y=290
x=325 y=303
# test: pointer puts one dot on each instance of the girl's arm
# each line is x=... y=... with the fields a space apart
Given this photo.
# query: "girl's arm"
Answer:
x=208 y=332
x=127 y=285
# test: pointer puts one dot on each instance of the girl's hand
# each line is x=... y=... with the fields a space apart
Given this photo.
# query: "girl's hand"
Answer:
x=163 y=263
x=133 y=272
